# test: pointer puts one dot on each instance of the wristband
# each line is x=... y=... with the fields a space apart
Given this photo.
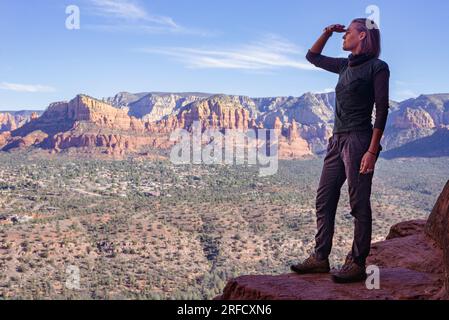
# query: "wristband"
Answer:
x=372 y=153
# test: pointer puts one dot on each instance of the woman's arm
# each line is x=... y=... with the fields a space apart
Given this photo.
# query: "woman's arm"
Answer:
x=318 y=46
x=381 y=97
x=315 y=57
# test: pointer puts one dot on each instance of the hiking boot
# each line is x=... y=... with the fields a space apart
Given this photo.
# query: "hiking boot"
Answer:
x=350 y=272
x=311 y=265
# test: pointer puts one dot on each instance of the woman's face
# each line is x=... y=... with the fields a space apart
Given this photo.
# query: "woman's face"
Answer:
x=352 y=38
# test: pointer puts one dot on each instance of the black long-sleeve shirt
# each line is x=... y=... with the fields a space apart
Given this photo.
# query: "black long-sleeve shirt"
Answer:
x=363 y=81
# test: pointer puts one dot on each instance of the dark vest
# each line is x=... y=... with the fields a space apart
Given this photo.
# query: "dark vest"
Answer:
x=355 y=96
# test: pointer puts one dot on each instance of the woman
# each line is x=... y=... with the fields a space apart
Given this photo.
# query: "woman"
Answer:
x=354 y=147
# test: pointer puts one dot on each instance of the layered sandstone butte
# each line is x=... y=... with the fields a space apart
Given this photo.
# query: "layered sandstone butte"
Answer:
x=220 y=112
x=413 y=262
x=217 y=112
x=226 y=112
x=87 y=109
x=83 y=122
x=97 y=125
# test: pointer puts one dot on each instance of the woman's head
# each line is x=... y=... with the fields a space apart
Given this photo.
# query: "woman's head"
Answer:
x=362 y=36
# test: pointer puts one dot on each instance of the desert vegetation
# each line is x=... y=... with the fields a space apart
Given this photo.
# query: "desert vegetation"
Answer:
x=140 y=229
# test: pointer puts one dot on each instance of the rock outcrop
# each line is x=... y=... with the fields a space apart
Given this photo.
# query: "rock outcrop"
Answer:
x=433 y=145
x=291 y=143
x=31 y=139
x=416 y=118
x=93 y=111
x=154 y=107
x=124 y=99
x=4 y=138
x=437 y=227
x=426 y=111
x=413 y=262
x=216 y=112
x=12 y=120
x=7 y=122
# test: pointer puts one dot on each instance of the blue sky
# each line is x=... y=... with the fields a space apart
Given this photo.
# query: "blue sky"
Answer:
x=253 y=48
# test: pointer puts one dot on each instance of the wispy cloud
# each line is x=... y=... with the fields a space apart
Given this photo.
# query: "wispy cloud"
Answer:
x=125 y=9
x=271 y=52
x=326 y=90
x=128 y=15
x=25 y=87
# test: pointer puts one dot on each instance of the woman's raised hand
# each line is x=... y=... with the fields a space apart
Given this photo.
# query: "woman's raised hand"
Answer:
x=334 y=28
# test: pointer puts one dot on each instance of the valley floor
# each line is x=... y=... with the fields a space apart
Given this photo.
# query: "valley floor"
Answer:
x=75 y=228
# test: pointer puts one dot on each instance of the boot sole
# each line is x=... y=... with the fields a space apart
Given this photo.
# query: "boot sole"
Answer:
x=294 y=269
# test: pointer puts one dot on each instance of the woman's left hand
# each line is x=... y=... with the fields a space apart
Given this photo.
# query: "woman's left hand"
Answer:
x=368 y=163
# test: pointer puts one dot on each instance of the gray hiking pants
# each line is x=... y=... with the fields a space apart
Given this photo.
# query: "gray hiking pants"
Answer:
x=342 y=161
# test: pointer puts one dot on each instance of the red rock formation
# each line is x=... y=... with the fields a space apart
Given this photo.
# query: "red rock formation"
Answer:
x=214 y=113
x=292 y=134
x=96 y=112
x=437 y=227
x=34 y=116
x=30 y=139
x=7 y=122
x=117 y=142
x=12 y=121
x=88 y=123
x=413 y=264
x=291 y=145
x=4 y=137
x=397 y=283
x=297 y=149
x=79 y=124
x=413 y=118
x=219 y=113
x=277 y=126
x=253 y=124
